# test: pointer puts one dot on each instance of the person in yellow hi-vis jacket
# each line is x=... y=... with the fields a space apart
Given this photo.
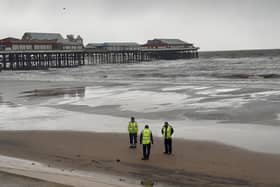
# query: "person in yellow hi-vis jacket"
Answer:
x=146 y=138
x=132 y=131
x=167 y=132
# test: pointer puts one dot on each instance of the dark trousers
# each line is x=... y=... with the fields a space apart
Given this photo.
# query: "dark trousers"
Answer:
x=133 y=138
x=146 y=151
x=168 y=145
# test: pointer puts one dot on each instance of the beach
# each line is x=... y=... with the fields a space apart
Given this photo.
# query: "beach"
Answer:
x=193 y=163
x=69 y=126
x=8 y=179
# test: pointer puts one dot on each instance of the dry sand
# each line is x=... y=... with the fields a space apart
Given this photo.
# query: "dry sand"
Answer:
x=193 y=163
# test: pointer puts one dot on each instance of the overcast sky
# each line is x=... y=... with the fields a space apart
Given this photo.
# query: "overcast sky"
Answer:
x=209 y=24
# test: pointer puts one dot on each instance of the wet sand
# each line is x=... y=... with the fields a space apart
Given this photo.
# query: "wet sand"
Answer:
x=12 y=180
x=194 y=163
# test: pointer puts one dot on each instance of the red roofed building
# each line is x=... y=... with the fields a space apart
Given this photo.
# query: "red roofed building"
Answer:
x=167 y=43
x=23 y=45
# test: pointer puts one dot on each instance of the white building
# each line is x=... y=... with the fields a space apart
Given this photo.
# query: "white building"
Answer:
x=115 y=46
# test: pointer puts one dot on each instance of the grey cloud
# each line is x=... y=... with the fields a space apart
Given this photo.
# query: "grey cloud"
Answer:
x=211 y=24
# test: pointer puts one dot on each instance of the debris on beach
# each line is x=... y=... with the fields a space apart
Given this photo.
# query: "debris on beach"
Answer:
x=147 y=183
x=94 y=161
x=118 y=160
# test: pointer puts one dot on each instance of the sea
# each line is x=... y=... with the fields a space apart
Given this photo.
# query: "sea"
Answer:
x=229 y=97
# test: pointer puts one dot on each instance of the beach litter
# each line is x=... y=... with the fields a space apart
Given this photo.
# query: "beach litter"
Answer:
x=147 y=183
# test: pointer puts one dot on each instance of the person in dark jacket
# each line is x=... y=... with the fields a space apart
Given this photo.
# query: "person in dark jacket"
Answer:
x=146 y=138
x=167 y=132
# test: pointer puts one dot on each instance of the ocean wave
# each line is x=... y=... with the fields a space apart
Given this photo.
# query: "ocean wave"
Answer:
x=159 y=75
x=248 y=76
x=269 y=76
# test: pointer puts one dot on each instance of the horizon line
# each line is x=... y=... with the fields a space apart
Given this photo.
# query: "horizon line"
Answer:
x=245 y=49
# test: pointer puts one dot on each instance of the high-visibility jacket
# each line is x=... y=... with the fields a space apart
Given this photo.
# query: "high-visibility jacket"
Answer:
x=146 y=136
x=167 y=132
x=132 y=127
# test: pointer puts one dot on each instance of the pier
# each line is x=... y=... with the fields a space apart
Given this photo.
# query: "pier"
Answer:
x=34 y=60
x=51 y=50
x=107 y=57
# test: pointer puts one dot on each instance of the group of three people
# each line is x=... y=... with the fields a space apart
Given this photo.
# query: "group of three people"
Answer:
x=146 y=137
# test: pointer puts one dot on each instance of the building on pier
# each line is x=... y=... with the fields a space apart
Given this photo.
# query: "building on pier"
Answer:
x=42 y=41
x=7 y=43
x=115 y=46
x=29 y=36
x=72 y=43
x=69 y=43
x=23 y=45
x=2 y=47
x=121 y=46
x=95 y=46
x=167 y=43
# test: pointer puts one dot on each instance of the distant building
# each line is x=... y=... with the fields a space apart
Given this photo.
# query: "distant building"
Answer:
x=99 y=46
x=4 y=43
x=167 y=43
x=7 y=43
x=70 y=43
x=121 y=46
x=22 y=45
x=42 y=41
x=115 y=46
x=42 y=36
x=2 y=47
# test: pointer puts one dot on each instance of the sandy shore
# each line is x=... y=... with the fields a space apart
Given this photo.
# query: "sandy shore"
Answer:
x=12 y=180
x=194 y=163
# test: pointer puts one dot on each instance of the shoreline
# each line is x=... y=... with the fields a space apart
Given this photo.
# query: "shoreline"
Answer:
x=38 y=107
x=193 y=163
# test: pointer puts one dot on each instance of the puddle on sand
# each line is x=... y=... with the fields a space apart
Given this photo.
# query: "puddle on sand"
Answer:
x=6 y=103
x=77 y=91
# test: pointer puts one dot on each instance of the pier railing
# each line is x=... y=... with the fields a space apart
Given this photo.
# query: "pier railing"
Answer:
x=28 y=60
